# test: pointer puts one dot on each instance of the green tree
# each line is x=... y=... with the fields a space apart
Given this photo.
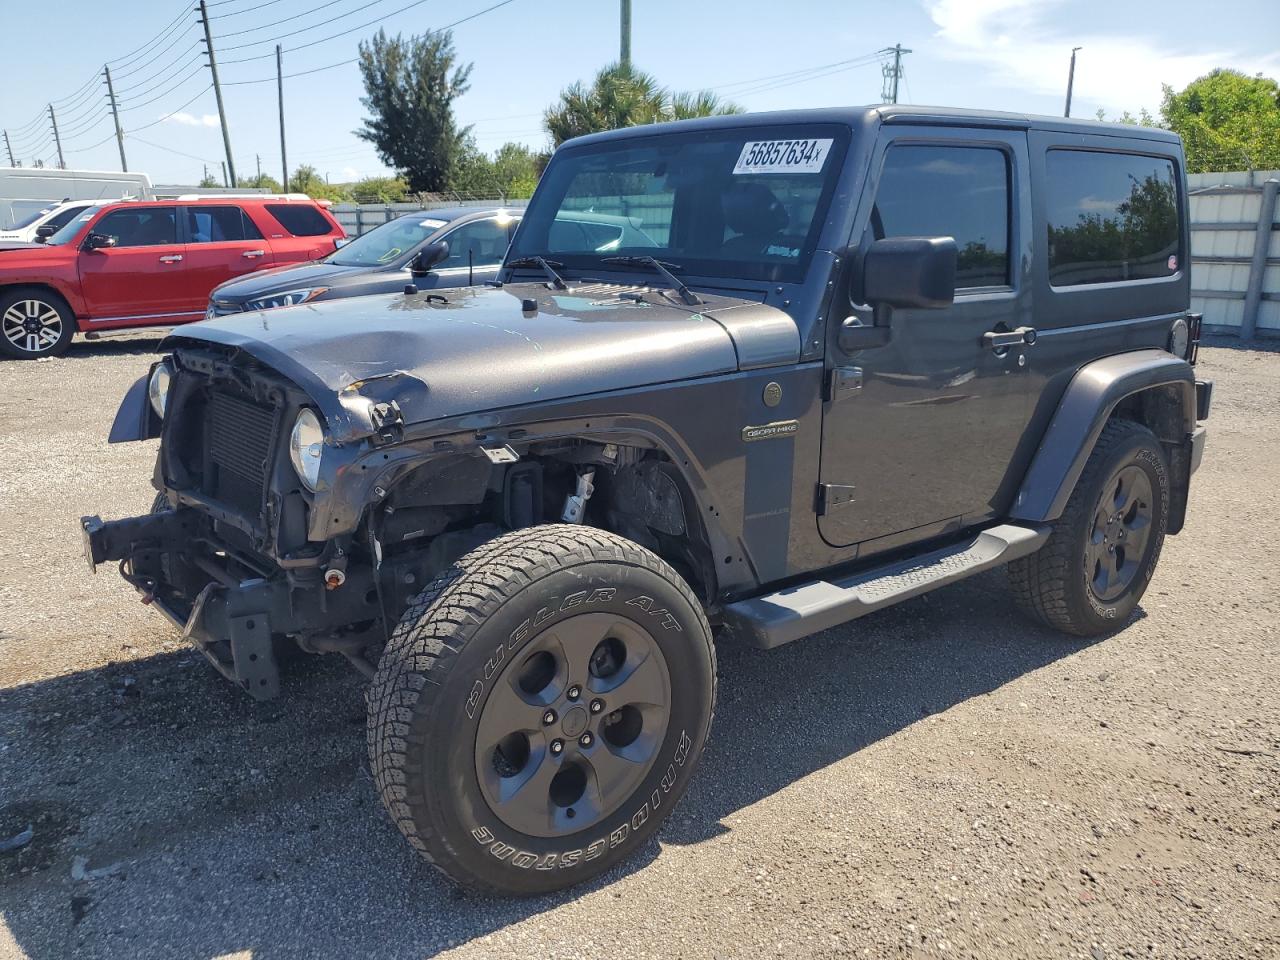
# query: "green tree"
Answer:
x=263 y=182
x=1227 y=121
x=306 y=179
x=379 y=190
x=622 y=96
x=512 y=171
x=410 y=86
x=209 y=180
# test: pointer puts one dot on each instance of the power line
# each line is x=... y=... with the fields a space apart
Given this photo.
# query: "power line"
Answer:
x=136 y=53
x=312 y=43
x=172 y=87
x=236 y=13
x=276 y=23
x=343 y=63
x=168 y=80
x=136 y=70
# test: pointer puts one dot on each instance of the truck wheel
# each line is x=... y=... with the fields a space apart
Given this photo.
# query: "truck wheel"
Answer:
x=540 y=708
x=34 y=323
x=1096 y=564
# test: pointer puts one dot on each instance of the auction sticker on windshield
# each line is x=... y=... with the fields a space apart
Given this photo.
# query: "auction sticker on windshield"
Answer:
x=782 y=156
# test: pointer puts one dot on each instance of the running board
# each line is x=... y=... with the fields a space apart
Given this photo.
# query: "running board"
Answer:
x=777 y=618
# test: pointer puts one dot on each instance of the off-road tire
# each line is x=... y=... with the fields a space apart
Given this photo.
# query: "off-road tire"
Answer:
x=1053 y=584
x=48 y=305
x=445 y=659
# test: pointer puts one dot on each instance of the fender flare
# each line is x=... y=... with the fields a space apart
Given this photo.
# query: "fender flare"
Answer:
x=1091 y=397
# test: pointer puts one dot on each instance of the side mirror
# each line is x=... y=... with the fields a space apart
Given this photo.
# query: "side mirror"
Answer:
x=433 y=253
x=915 y=272
x=98 y=241
x=44 y=232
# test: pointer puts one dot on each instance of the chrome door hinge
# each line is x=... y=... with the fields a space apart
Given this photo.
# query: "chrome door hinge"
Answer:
x=843 y=382
x=833 y=495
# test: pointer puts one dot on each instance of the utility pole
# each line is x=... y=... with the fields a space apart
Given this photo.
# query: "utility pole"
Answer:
x=225 y=181
x=624 y=51
x=1071 y=77
x=9 y=149
x=892 y=74
x=56 y=139
x=217 y=93
x=284 y=159
x=115 y=114
x=258 y=158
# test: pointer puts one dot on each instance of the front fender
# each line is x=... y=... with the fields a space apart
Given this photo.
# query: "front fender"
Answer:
x=135 y=420
x=1090 y=398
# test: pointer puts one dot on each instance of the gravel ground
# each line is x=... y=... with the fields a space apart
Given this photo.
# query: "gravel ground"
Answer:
x=942 y=779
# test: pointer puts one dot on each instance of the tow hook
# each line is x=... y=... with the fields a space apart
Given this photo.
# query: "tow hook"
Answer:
x=336 y=575
x=575 y=505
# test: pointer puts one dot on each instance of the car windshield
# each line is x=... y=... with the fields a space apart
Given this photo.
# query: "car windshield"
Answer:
x=73 y=226
x=387 y=243
x=28 y=221
x=745 y=202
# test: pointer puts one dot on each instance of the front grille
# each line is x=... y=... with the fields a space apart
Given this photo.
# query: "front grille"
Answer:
x=221 y=308
x=239 y=442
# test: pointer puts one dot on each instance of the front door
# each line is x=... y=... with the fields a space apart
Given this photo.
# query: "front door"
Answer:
x=141 y=278
x=933 y=437
x=476 y=250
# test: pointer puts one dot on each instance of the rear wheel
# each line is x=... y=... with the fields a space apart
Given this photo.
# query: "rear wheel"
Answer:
x=34 y=323
x=1094 y=568
x=541 y=707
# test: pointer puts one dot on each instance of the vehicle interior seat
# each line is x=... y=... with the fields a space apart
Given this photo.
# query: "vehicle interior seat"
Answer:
x=756 y=215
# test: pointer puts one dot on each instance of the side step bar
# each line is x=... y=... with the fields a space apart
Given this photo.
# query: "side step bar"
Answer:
x=777 y=618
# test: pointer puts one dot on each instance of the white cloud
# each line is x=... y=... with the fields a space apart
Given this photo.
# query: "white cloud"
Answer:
x=1022 y=46
x=350 y=173
x=190 y=120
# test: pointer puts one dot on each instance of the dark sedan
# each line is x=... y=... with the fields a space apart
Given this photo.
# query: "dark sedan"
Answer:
x=409 y=249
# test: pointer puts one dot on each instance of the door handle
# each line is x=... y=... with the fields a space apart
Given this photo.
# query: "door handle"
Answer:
x=1004 y=339
x=171 y=258
x=252 y=254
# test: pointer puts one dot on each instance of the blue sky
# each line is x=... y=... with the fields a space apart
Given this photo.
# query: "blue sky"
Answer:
x=998 y=54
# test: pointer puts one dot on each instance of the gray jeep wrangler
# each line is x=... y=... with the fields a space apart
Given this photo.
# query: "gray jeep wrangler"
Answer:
x=758 y=375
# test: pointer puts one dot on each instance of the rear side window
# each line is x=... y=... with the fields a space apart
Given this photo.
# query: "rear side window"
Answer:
x=300 y=219
x=142 y=227
x=62 y=217
x=960 y=192
x=1112 y=217
x=219 y=224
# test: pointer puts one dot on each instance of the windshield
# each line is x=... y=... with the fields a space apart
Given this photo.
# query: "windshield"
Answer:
x=743 y=203
x=28 y=221
x=73 y=226
x=386 y=243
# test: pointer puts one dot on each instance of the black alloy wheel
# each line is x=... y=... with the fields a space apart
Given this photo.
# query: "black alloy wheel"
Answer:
x=1122 y=525
x=573 y=727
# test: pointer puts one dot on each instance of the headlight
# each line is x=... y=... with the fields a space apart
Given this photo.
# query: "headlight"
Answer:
x=306 y=446
x=158 y=386
x=287 y=299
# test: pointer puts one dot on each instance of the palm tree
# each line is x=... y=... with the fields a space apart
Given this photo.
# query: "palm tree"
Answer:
x=625 y=97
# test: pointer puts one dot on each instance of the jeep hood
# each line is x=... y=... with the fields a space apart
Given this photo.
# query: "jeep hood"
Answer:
x=480 y=350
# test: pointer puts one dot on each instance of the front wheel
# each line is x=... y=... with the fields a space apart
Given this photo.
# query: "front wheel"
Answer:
x=34 y=323
x=540 y=708
x=1094 y=568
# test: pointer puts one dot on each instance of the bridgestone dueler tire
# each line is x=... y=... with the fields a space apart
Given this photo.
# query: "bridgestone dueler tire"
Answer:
x=1052 y=585
x=438 y=670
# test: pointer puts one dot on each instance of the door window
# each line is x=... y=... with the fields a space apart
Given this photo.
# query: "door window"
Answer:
x=219 y=224
x=1112 y=217
x=485 y=240
x=62 y=218
x=143 y=227
x=300 y=219
x=943 y=191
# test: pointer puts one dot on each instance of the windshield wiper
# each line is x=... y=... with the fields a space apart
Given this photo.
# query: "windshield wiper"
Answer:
x=545 y=266
x=653 y=263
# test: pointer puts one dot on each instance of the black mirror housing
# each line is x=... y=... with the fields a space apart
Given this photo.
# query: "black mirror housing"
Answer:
x=917 y=272
x=98 y=241
x=44 y=232
x=429 y=256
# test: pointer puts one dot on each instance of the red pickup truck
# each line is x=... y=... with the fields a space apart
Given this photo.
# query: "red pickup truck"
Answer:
x=148 y=263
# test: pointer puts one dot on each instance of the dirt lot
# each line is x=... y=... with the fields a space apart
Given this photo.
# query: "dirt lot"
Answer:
x=939 y=780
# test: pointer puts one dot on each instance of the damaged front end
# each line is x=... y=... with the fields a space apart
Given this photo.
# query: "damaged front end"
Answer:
x=249 y=547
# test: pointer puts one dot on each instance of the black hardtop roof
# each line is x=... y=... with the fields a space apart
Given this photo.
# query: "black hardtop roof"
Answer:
x=860 y=117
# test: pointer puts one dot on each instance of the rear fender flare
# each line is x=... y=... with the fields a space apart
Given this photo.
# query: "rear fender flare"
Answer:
x=1089 y=401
